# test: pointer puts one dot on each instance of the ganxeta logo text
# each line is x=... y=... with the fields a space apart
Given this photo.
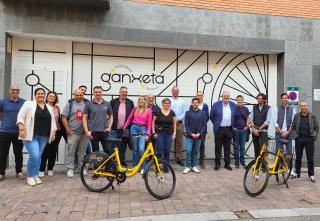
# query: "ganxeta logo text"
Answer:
x=124 y=78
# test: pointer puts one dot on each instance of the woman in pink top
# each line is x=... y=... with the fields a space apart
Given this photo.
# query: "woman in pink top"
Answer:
x=50 y=151
x=140 y=120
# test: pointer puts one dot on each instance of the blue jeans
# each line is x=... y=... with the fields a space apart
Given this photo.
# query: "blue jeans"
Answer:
x=138 y=143
x=35 y=149
x=192 y=152
x=278 y=143
x=163 y=145
x=122 y=149
x=239 y=142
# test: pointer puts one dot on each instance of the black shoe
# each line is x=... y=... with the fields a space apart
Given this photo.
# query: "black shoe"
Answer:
x=237 y=166
x=244 y=165
x=1 y=177
x=217 y=166
x=228 y=167
x=180 y=162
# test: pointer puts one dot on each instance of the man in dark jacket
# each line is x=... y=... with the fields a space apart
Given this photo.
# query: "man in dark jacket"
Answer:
x=222 y=117
x=203 y=107
x=121 y=107
x=305 y=129
x=195 y=125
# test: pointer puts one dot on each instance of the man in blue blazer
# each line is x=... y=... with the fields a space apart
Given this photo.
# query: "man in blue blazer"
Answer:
x=222 y=117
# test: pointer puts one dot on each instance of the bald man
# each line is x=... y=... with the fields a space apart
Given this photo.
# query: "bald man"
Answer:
x=222 y=117
x=9 y=131
x=72 y=117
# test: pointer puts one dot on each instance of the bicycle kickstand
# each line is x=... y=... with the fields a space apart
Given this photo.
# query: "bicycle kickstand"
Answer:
x=284 y=180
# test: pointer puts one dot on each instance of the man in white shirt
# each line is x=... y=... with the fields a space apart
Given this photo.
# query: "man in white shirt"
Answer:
x=178 y=106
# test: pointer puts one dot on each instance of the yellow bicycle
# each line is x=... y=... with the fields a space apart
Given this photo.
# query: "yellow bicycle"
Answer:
x=99 y=171
x=257 y=173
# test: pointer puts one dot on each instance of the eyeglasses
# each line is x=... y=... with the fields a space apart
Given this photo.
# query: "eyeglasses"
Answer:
x=15 y=89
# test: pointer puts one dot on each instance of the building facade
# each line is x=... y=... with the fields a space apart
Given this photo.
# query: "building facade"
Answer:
x=150 y=46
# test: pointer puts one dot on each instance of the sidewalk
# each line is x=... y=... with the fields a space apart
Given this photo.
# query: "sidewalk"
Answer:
x=61 y=198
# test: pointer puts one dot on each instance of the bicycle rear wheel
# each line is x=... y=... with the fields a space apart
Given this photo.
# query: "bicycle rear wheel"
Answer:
x=160 y=187
x=256 y=178
x=92 y=181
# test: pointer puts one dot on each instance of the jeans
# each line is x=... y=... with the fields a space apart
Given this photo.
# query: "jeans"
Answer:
x=239 y=140
x=35 y=149
x=5 y=140
x=88 y=150
x=122 y=149
x=192 y=151
x=138 y=143
x=163 y=145
x=288 y=146
x=50 y=153
x=76 y=143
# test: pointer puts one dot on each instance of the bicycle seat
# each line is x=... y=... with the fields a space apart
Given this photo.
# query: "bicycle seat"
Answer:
x=283 y=141
x=114 y=140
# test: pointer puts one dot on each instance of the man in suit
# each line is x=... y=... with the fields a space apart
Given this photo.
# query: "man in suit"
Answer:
x=222 y=117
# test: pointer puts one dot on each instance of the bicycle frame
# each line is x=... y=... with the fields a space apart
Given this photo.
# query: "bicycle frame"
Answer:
x=272 y=168
x=129 y=171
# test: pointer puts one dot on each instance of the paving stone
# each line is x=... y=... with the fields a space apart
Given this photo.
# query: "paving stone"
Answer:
x=210 y=192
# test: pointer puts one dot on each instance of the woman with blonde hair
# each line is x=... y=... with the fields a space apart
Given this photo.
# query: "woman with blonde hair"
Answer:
x=140 y=120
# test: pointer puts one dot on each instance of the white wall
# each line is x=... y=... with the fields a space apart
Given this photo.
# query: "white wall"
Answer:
x=189 y=71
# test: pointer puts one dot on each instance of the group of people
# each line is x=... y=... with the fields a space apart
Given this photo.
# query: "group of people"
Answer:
x=39 y=125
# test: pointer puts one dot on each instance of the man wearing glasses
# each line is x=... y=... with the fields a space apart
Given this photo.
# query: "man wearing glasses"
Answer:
x=9 y=108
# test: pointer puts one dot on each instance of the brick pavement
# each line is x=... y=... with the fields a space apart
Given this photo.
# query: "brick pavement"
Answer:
x=61 y=198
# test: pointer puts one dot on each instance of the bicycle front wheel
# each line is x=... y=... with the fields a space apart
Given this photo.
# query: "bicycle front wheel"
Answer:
x=92 y=181
x=256 y=178
x=160 y=186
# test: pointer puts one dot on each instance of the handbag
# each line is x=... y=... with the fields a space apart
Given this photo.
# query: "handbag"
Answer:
x=125 y=134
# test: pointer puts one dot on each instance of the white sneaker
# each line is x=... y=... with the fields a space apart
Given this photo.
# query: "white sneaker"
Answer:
x=186 y=170
x=37 y=180
x=312 y=179
x=70 y=173
x=31 y=181
x=41 y=174
x=85 y=172
x=195 y=169
x=50 y=173
x=141 y=172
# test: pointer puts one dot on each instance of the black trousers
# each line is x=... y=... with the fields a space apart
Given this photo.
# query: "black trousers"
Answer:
x=50 y=153
x=202 y=149
x=223 y=138
x=5 y=141
x=308 y=144
x=101 y=137
x=258 y=141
